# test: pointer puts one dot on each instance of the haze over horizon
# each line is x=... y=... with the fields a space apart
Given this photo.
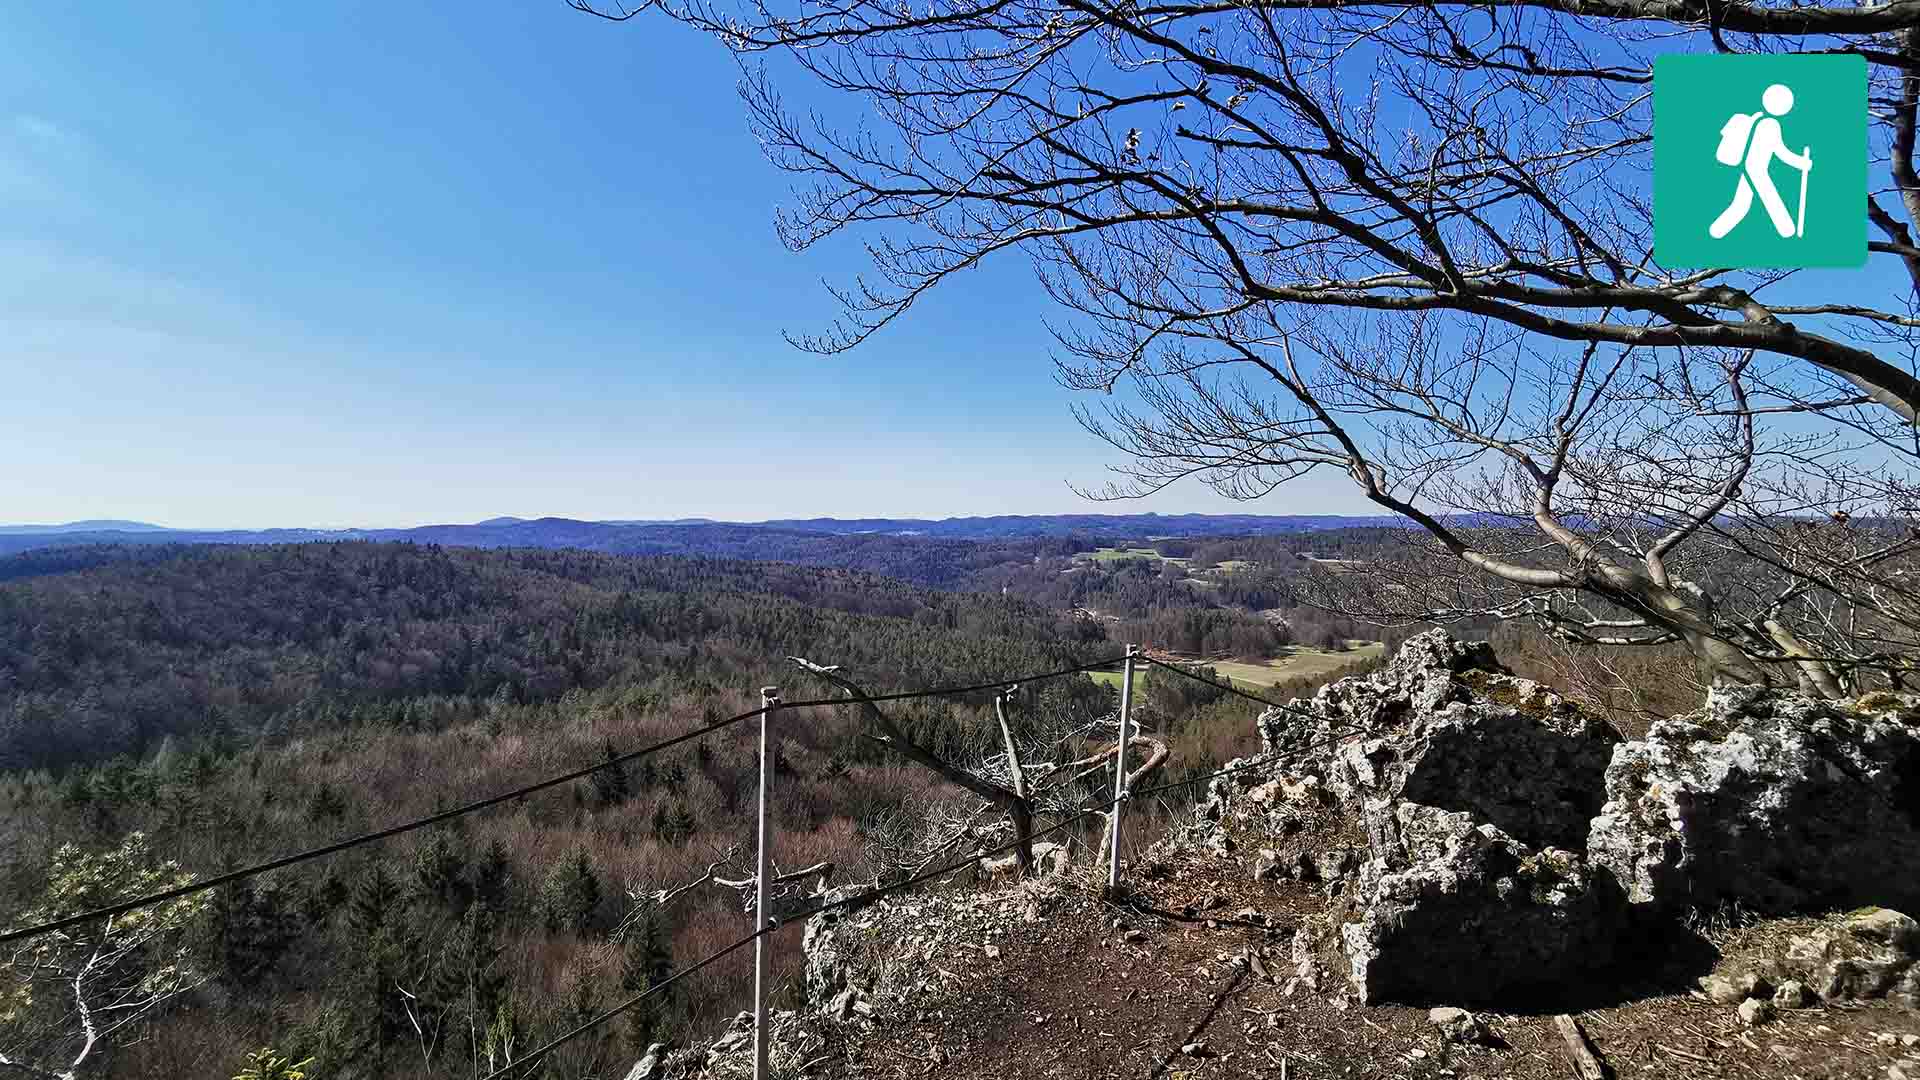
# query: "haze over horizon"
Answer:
x=121 y=523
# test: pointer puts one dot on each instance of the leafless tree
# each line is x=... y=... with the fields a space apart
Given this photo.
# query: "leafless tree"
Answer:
x=1409 y=242
x=1035 y=772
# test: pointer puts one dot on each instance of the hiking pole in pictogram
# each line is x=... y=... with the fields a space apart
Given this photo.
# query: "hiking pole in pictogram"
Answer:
x=1800 y=222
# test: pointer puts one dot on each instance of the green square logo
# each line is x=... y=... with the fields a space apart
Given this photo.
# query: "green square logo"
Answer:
x=1760 y=161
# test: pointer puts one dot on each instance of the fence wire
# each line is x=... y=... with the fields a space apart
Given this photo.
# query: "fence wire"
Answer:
x=869 y=895
x=231 y=876
x=859 y=899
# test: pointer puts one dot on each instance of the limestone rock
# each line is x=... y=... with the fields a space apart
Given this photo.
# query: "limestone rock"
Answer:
x=1442 y=725
x=1267 y=866
x=1458 y=1025
x=1461 y=797
x=648 y=1067
x=1754 y=1012
x=827 y=970
x=1777 y=800
x=1872 y=953
x=1463 y=911
x=1792 y=994
x=1732 y=988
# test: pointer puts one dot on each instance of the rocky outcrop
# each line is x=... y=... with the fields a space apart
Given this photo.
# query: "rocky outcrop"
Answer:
x=829 y=971
x=1449 y=801
x=1443 y=725
x=1776 y=800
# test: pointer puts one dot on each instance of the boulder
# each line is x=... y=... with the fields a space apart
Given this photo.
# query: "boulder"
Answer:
x=828 y=969
x=1458 y=1025
x=1454 y=910
x=1461 y=796
x=1792 y=994
x=1732 y=988
x=1871 y=953
x=1777 y=800
x=649 y=1065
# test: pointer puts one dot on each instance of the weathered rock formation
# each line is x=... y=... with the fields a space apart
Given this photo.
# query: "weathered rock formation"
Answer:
x=1501 y=838
x=1776 y=800
x=1464 y=794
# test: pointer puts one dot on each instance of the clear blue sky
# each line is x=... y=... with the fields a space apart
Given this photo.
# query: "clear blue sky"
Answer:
x=385 y=264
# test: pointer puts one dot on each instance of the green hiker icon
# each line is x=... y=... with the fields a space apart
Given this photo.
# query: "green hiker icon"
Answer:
x=1754 y=140
x=1735 y=139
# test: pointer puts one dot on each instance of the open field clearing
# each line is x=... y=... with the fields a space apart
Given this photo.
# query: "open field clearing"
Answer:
x=1109 y=554
x=1299 y=662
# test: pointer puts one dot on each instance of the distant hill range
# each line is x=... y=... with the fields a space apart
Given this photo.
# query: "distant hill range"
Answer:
x=82 y=527
x=799 y=540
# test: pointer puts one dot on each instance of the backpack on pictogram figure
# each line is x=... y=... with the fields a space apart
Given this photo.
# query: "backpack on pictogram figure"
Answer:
x=1733 y=137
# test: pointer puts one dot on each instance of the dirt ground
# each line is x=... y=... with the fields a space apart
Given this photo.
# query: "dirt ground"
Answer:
x=1147 y=988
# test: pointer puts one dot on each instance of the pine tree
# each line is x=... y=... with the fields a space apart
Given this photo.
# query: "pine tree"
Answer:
x=570 y=896
x=382 y=938
x=439 y=871
x=645 y=963
x=493 y=878
x=610 y=786
x=246 y=929
x=466 y=986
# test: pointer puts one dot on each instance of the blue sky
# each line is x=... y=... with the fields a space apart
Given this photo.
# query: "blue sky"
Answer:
x=380 y=264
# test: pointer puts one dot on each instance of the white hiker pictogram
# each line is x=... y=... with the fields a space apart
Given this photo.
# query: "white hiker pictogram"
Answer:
x=1753 y=140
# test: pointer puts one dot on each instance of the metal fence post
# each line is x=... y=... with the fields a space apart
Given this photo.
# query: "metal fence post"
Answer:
x=770 y=701
x=1120 y=768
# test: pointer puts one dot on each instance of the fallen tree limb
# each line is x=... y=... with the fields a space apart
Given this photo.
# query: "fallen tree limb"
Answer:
x=1586 y=1064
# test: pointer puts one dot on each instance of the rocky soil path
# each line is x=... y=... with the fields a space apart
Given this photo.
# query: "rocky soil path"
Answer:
x=1165 y=986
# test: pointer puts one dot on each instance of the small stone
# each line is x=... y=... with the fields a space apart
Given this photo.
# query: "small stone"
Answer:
x=1457 y=1025
x=1910 y=1041
x=648 y=1066
x=1754 y=1012
x=1267 y=867
x=1134 y=937
x=1735 y=987
x=1196 y=1049
x=1792 y=994
x=1416 y=1053
x=1886 y=1038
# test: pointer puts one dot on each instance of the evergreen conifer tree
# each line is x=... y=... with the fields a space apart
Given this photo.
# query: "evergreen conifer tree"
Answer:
x=644 y=964
x=570 y=896
x=610 y=786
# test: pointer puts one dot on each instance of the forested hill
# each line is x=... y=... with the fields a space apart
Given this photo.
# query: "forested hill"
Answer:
x=928 y=552
x=237 y=640
x=220 y=706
